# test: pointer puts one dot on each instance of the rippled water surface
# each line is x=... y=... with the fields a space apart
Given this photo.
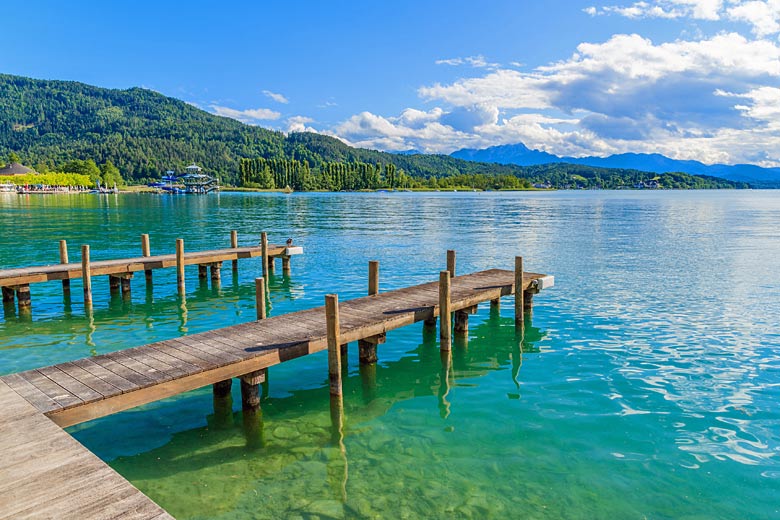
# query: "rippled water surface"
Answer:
x=646 y=386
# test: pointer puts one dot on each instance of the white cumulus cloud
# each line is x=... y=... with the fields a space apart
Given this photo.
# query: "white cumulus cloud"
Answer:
x=279 y=98
x=249 y=116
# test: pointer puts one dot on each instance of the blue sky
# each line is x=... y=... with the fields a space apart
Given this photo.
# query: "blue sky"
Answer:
x=692 y=79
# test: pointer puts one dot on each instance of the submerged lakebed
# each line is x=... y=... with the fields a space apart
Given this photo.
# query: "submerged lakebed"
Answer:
x=645 y=386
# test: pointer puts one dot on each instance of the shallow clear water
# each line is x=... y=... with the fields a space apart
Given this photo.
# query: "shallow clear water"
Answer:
x=647 y=385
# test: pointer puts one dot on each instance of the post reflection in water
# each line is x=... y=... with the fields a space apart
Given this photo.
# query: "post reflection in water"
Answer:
x=253 y=427
x=444 y=383
x=337 y=464
x=182 y=300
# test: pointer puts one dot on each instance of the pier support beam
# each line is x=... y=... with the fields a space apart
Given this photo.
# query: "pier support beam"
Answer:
x=260 y=298
x=445 y=323
x=234 y=245
x=216 y=273
x=23 y=297
x=86 y=275
x=271 y=264
x=222 y=388
x=203 y=271
x=180 y=265
x=462 y=320
x=113 y=284
x=373 y=278
x=495 y=304
x=519 y=292
x=146 y=250
x=8 y=294
x=367 y=348
x=264 y=251
x=286 y=269
x=125 y=283
x=451 y=262
x=250 y=389
x=64 y=260
x=334 y=345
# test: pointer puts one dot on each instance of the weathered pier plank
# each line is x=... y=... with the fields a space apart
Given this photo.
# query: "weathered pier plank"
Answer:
x=48 y=474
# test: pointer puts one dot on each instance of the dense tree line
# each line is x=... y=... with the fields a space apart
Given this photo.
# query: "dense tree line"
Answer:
x=141 y=134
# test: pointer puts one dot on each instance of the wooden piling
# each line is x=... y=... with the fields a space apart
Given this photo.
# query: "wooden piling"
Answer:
x=125 y=283
x=8 y=294
x=23 y=297
x=260 y=298
x=250 y=389
x=367 y=348
x=334 y=350
x=445 y=324
x=264 y=246
x=86 y=275
x=64 y=260
x=222 y=388
x=113 y=284
x=180 y=264
x=519 y=291
x=234 y=245
x=373 y=278
x=286 y=269
x=203 y=271
x=271 y=264
x=216 y=273
x=451 y=262
x=495 y=304
x=461 y=323
x=146 y=250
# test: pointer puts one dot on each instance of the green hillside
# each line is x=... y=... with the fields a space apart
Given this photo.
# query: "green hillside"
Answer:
x=48 y=123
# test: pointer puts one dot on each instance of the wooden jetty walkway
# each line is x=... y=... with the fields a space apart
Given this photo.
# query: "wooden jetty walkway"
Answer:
x=85 y=389
x=15 y=283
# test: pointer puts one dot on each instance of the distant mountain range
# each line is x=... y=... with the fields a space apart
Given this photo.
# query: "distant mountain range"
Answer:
x=522 y=155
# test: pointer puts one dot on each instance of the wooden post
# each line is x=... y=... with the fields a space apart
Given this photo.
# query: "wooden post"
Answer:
x=64 y=260
x=495 y=304
x=367 y=348
x=203 y=271
x=222 y=388
x=373 y=278
x=286 y=269
x=23 y=297
x=113 y=284
x=8 y=294
x=461 y=323
x=180 y=264
x=451 y=262
x=234 y=245
x=264 y=245
x=445 y=324
x=146 y=250
x=260 y=298
x=519 y=291
x=86 y=275
x=250 y=389
x=216 y=276
x=528 y=301
x=125 y=283
x=334 y=344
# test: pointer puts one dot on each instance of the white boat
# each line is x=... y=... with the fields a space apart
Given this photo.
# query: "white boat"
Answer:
x=7 y=187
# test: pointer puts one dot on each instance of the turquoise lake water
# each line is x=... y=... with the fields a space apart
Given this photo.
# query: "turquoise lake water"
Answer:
x=647 y=385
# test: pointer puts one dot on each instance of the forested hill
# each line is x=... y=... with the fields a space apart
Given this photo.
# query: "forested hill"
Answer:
x=48 y=123
x=145 y=133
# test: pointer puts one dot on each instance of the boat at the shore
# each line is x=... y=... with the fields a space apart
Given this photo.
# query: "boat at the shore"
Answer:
x=191 y=182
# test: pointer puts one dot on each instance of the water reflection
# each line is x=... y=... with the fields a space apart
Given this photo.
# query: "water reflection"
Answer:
x=310 y=428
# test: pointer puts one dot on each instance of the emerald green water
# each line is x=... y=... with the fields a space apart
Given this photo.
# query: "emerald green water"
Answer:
x=646 y=385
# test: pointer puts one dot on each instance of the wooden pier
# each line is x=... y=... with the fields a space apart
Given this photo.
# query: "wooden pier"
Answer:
x=85 y=389
x=15 y=283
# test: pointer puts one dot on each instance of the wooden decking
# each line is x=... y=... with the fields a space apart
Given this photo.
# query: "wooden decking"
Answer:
x=37 y=274
x=46 y=473
x=38 y=478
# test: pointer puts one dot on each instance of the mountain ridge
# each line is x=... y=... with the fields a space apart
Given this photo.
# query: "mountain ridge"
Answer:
x=521 y=155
